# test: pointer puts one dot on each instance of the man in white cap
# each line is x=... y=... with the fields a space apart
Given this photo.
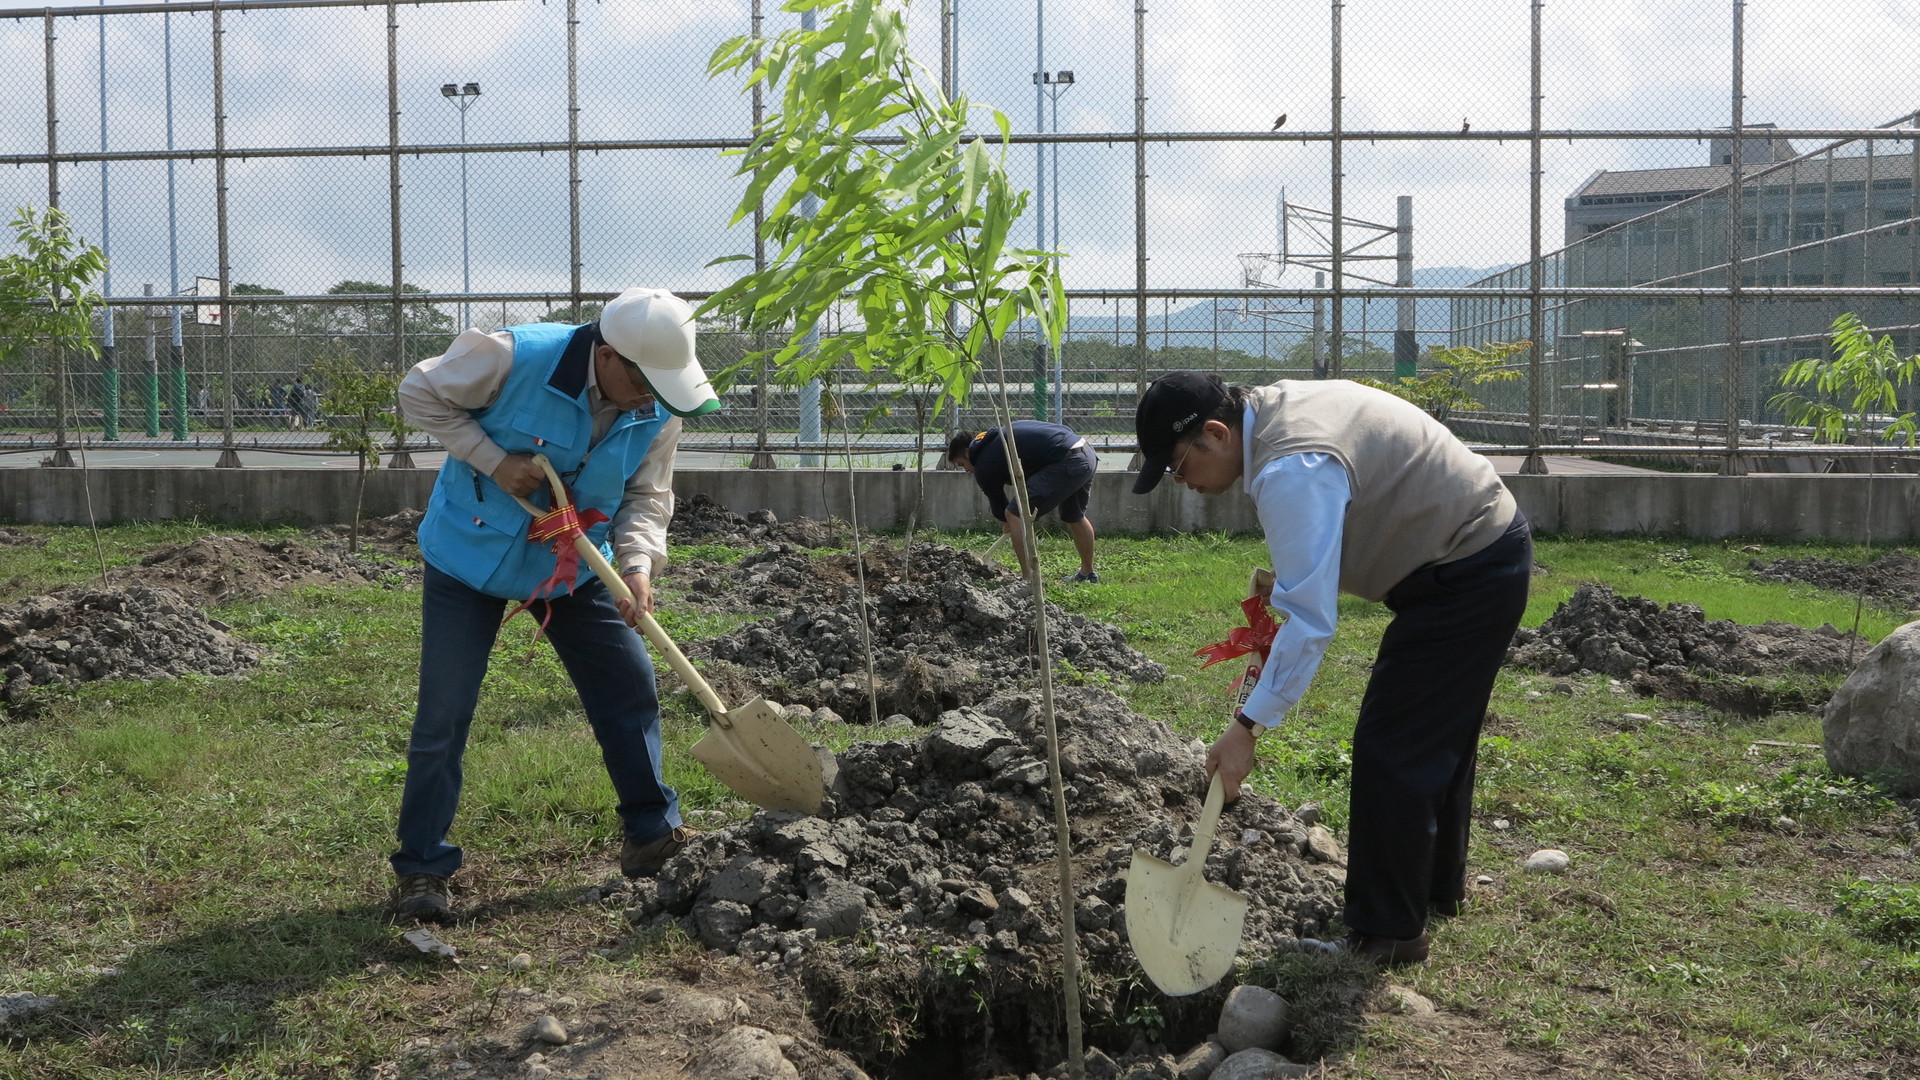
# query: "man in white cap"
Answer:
x=595 y=400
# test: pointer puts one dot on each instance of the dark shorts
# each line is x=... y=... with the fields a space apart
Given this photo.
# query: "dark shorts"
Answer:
x=1066 y=484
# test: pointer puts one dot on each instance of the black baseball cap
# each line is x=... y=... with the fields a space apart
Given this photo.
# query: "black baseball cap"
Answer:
x=1175 y=405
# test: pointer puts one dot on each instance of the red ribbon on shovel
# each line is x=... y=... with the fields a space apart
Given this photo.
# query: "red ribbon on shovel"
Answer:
x=557 y=526
x=1255 y=638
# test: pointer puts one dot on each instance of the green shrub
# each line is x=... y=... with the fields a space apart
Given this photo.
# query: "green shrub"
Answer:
x=1883 y=911
x=1793 y=794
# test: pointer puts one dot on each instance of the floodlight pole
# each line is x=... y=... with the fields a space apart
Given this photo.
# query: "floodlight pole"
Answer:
x=462 y=97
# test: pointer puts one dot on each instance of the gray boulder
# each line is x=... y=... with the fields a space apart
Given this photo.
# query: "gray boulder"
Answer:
x=1872 y=725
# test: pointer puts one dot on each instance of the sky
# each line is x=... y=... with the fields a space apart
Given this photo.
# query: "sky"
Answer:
x=317 y=77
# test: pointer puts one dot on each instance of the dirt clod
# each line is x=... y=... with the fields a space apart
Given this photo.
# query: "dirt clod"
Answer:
x=82 y=634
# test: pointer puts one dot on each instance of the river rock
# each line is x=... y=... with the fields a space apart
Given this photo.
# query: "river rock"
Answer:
x=1548 y=861
x=1200 y=1062
x=1258 y=1064
x=1872 y=725
x=744 y=1053
x=1252 y=1016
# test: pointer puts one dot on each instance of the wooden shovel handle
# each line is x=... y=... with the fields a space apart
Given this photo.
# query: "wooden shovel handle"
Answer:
x=1209 y=821
x=676 y=659
x=1193 y=872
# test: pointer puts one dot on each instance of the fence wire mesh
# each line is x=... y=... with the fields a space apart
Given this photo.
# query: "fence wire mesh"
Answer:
x=1669 y=202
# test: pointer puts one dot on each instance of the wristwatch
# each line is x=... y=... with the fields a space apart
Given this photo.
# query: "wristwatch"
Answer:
x=1247 y=722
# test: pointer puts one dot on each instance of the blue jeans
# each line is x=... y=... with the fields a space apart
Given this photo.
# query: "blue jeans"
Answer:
x=610 y=671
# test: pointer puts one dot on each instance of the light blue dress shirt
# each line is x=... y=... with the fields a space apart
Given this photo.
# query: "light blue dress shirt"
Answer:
x=1302 y=502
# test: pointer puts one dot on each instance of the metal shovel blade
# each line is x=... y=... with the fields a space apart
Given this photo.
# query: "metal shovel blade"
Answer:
x=755 y=752
x=1184 y=929
x=749 y=749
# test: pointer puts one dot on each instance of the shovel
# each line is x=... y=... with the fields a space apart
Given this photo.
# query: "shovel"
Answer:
x=1184 y=929
x=749 y=749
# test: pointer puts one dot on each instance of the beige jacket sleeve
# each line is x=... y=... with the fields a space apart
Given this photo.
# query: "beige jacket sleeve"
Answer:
x=440 y=392
x=639 y=527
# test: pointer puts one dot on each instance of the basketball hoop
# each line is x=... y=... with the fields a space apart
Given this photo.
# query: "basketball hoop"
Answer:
x=1258 y=270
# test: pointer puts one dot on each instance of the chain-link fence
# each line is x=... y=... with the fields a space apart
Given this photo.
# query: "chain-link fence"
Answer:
x=1669 y=202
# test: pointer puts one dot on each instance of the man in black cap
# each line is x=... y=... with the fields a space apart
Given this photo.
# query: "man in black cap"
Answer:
x=1059 y=466
x=1361 y=492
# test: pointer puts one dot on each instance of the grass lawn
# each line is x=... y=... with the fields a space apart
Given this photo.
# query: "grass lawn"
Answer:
x=197 y=867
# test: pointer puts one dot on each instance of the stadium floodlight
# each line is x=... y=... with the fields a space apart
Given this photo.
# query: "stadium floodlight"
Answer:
x=462 y=98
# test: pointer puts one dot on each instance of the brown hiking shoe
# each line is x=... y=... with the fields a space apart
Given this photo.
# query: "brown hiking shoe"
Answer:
x=421 y=898
x=645 y=860
x=1384 y=951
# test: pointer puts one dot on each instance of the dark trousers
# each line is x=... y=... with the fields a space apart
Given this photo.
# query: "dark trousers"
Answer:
x=610 y=671
x=1419 y=729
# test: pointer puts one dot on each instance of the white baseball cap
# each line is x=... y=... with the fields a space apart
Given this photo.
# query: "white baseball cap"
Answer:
x=652 y=329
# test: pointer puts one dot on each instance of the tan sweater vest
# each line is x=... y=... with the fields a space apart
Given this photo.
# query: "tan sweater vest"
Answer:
x=1419 y=496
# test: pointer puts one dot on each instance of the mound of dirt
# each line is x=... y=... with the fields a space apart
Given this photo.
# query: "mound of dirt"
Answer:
x=939 y=643
x=926 y=886
x=83 y=634
x=1891 y=581
x=1675 y=652
x=227 y=569
x=700 y=520
x=394 y=535
x=783 y=576
x=16 y=538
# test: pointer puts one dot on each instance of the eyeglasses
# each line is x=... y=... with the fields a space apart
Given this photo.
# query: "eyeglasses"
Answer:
x=1173 y=470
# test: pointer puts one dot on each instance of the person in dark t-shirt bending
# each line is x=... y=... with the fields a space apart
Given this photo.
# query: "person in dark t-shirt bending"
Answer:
x=1059 y=466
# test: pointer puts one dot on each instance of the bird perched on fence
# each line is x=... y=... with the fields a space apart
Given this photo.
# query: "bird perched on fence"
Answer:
x=1464 y=126
x=1278 y=124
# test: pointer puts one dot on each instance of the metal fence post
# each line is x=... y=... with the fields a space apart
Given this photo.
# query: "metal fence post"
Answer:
x=61 y=457
x=1140 y=199
x=153 y=370
x=109 y=368
x=1731 y=465
x=573 y=156
x=1339 y=212
x=762 y=459
x=1406 y=350
x=1535 y=464
x=229 y=453
x=401 y=459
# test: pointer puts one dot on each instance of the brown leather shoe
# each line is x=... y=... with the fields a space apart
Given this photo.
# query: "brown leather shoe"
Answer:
x=645 y=860
x=1384 y=951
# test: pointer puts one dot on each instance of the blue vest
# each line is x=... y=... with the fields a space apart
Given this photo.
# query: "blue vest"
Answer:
x=476 y=532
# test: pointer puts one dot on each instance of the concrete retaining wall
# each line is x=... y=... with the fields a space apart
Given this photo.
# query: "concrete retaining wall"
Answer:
x=1784 y=507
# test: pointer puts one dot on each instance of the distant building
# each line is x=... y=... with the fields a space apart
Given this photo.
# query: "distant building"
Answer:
x=1834 y=218
x=1609 y=198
